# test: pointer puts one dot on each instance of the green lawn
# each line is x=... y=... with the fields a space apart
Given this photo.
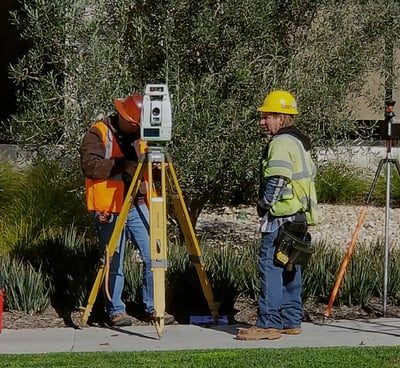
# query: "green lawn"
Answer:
x=365 y=357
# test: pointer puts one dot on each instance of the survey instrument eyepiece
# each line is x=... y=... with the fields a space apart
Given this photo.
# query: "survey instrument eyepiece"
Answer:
x=156 y=118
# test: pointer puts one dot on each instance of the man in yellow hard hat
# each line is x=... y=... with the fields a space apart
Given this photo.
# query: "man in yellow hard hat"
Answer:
x=287 y=205
x=109 y=156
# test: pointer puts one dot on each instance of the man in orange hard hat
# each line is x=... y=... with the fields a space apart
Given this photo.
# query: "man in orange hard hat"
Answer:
x=109 y=157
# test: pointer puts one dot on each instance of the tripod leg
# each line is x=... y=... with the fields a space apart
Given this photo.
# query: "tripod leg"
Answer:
x=158 y=245
x=352 y=244
x=191 y=240
x=396 y=163
x=112 y=244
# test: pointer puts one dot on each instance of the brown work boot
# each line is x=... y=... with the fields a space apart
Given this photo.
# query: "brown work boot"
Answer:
x=257 y=333
x=291 y=331
x=119 y=320
x=169 y=319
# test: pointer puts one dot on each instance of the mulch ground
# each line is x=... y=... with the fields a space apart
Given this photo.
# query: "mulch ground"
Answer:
x=245 y=313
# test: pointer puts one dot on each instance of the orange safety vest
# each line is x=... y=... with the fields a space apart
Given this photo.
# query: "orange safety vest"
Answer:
x=106 y=194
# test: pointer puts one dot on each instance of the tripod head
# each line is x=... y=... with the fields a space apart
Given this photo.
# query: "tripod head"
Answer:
x=389 y=115
x=389 y=109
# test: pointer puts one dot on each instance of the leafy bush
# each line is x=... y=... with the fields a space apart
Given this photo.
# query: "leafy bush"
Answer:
x=320 y=274
x=338 y=182
x=362 y=280
x=68 y=260
x=133 y=276
x=43 y=199
x=27 y=289
x=230 y=270
x=379 y=194
x=40 y=235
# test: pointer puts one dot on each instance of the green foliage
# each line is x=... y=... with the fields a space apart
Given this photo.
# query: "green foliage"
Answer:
x=379 y=194
x=393 y=287
x=363 y=278
x=62 y=269
x=133 y=275
x=320 y=274
x=68 y=260
x=364 y=282
x=219 y=58
x=76 y=66
x=338 y=182
x=232 y=270
x=42 y=199
x=27 y=289
x=10 y=186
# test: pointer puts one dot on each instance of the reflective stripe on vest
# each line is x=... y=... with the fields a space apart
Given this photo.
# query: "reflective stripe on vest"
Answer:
x=106 y=194
x=299 y=195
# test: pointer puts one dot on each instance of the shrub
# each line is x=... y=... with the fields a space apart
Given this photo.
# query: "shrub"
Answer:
x=68 y=260
x=320 y=273
x=338 y=182
x=133 y=276
x=27 y=289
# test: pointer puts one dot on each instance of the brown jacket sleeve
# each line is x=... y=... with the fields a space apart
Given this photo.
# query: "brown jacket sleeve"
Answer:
x=93 y=162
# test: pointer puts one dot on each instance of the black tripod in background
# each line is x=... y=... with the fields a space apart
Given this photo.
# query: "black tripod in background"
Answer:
x=389 y=115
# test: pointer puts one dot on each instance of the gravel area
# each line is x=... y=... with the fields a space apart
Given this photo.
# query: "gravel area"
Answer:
x=337 y=224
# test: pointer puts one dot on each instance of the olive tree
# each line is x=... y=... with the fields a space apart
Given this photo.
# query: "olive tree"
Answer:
x=77 y=64
x=219 y=59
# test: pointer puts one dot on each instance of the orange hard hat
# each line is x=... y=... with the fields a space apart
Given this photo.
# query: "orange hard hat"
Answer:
x=130 y=107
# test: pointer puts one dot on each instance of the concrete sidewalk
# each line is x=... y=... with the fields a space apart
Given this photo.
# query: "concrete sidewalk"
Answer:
x=378 y=332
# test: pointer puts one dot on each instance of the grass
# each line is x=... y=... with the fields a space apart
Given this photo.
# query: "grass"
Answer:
x=273 y=358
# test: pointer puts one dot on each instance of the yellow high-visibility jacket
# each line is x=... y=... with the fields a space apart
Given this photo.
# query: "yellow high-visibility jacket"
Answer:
x=288 y=158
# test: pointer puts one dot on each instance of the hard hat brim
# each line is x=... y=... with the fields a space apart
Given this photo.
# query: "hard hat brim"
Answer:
x=120 y=108
x=294 y=112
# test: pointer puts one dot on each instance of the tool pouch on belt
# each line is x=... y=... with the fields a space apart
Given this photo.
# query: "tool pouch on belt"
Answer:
x=293 y=245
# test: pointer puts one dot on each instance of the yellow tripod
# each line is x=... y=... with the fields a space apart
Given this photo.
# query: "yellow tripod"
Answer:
x=158 y=234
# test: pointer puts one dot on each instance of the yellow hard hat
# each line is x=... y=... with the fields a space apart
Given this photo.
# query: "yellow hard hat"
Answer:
x=281 y=102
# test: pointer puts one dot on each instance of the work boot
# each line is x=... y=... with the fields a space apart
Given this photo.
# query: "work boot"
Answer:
x=169 y=319
x=119 y=320
x=257 y=333
x=291 y=331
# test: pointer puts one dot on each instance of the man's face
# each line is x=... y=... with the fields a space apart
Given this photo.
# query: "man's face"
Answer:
x=126 y=126
x=270 y=122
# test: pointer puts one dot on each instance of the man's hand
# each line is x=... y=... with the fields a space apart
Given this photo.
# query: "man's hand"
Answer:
x=262 y=207
x=130 y=167
x=140 y=148
x=104 y=217
x=143 y=187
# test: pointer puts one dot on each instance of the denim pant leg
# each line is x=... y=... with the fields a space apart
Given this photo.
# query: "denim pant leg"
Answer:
x=292 y=305
x=271 y=284
x=116 y=272
x=137 y=225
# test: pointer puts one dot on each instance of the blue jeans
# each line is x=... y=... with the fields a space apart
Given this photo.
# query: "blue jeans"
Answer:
x=137 y=230
x=280 y=301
